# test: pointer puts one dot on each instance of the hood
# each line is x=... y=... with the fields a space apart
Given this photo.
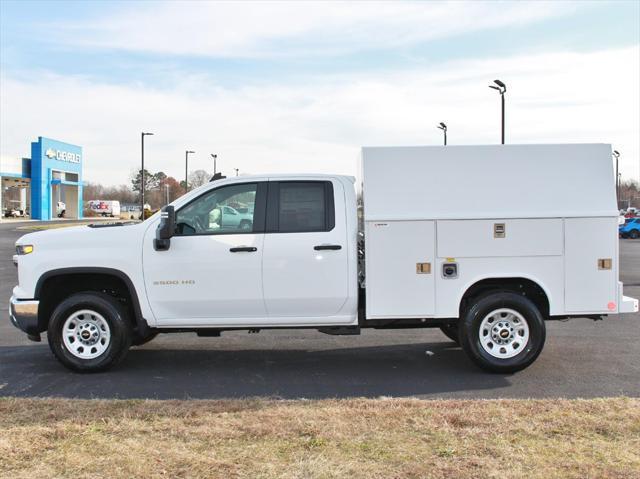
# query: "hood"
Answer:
x=85 y=236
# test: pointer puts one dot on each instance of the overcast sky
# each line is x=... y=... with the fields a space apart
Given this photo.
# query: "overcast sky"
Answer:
x=299 y=87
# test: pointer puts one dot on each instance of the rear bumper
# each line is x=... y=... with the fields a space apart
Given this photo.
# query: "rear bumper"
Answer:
x=24 y=315
x=628 y=305
x=625 y=303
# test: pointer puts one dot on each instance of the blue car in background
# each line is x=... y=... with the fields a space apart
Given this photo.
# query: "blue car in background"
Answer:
x=631 y=228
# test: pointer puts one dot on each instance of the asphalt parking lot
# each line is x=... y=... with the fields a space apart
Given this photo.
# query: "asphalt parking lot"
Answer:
x=582 y=358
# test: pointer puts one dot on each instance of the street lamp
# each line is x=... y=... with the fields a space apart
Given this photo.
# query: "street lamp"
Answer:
x=236 y=171
x=186 y=169
x=616 y=155
x=142 y=182
x=502 y=88
x=443 y=127
x=619 y=177
x=215 y=157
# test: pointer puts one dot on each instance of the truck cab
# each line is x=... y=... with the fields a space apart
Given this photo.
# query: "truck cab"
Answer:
x=248 y=273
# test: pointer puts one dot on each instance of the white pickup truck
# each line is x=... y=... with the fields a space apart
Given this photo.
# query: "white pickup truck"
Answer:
x=486 y=243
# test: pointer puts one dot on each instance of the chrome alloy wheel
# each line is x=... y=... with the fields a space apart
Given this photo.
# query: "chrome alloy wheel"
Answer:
x=86 y=334
x=504 y=333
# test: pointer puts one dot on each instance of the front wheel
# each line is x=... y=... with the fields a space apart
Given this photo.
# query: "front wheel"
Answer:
x=89 y=332
x=503 y=332
x=634 y=234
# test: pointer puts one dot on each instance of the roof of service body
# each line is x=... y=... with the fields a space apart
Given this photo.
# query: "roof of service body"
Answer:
x=492 y=181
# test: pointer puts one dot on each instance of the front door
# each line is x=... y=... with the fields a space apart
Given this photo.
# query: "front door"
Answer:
x=305 y=260
x=213 y=268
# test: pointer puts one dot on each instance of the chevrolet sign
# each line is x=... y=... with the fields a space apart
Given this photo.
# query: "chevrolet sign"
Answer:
x=62 y=155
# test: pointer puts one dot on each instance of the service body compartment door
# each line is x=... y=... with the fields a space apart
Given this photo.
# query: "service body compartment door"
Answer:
x=400 y=269
x=591 y=264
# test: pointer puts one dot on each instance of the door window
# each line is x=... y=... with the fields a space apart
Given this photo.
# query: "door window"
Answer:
x=226 y=210
x=303 y=206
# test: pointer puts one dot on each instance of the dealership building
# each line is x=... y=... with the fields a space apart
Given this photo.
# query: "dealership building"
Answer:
x=36 y=186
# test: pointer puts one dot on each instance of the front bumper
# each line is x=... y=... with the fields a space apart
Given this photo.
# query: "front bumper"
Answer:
x=24 y=315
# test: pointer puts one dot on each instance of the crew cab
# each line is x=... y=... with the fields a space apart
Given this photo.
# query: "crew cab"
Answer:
x=484 y=242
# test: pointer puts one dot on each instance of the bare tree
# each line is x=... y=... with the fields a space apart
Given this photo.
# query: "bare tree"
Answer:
x=198 y=178
x=96 y=191
x=629 y=194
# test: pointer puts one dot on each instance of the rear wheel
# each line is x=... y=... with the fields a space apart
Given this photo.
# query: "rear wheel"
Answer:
x=451 y=332
x=634 y=234
x=89 y=332
x=503 y=332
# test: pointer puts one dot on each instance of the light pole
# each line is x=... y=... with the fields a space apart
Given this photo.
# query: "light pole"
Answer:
x=186 y=169
x=142 y=182
x=443 y=127
x=502 y=88
x=618 y=177
x=236 y=171
x=166 y=186
x=215 y=157
x=616 y=155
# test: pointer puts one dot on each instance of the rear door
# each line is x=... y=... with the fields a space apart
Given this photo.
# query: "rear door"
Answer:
x=305 y=260
x=591 y=264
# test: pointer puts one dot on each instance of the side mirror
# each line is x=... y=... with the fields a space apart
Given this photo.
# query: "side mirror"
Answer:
x=166 y=228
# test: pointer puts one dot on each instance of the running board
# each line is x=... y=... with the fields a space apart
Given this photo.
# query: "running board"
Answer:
x=341 y=330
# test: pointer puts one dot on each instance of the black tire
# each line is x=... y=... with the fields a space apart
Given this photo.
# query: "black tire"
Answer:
x=245 y=225
x=472 y=319
x=138 y=340
x=451 y=332
x=119 y=331
x=634 y=234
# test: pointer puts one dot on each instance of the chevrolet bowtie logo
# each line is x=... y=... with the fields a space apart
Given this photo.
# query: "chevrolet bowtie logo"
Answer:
x=50 y=153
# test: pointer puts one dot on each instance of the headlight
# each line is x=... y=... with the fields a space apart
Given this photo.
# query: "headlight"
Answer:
x=24 y=248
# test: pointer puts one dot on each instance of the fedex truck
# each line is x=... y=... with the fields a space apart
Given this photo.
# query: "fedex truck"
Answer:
x=105 y=208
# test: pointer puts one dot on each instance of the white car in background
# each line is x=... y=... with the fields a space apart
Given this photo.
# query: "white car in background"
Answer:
x=61 y=209
x=13 y=213
x=232 y=218
x=227 y=217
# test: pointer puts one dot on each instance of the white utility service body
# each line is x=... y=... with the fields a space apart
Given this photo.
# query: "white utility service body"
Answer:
x=480 y=241
x=440 y=205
